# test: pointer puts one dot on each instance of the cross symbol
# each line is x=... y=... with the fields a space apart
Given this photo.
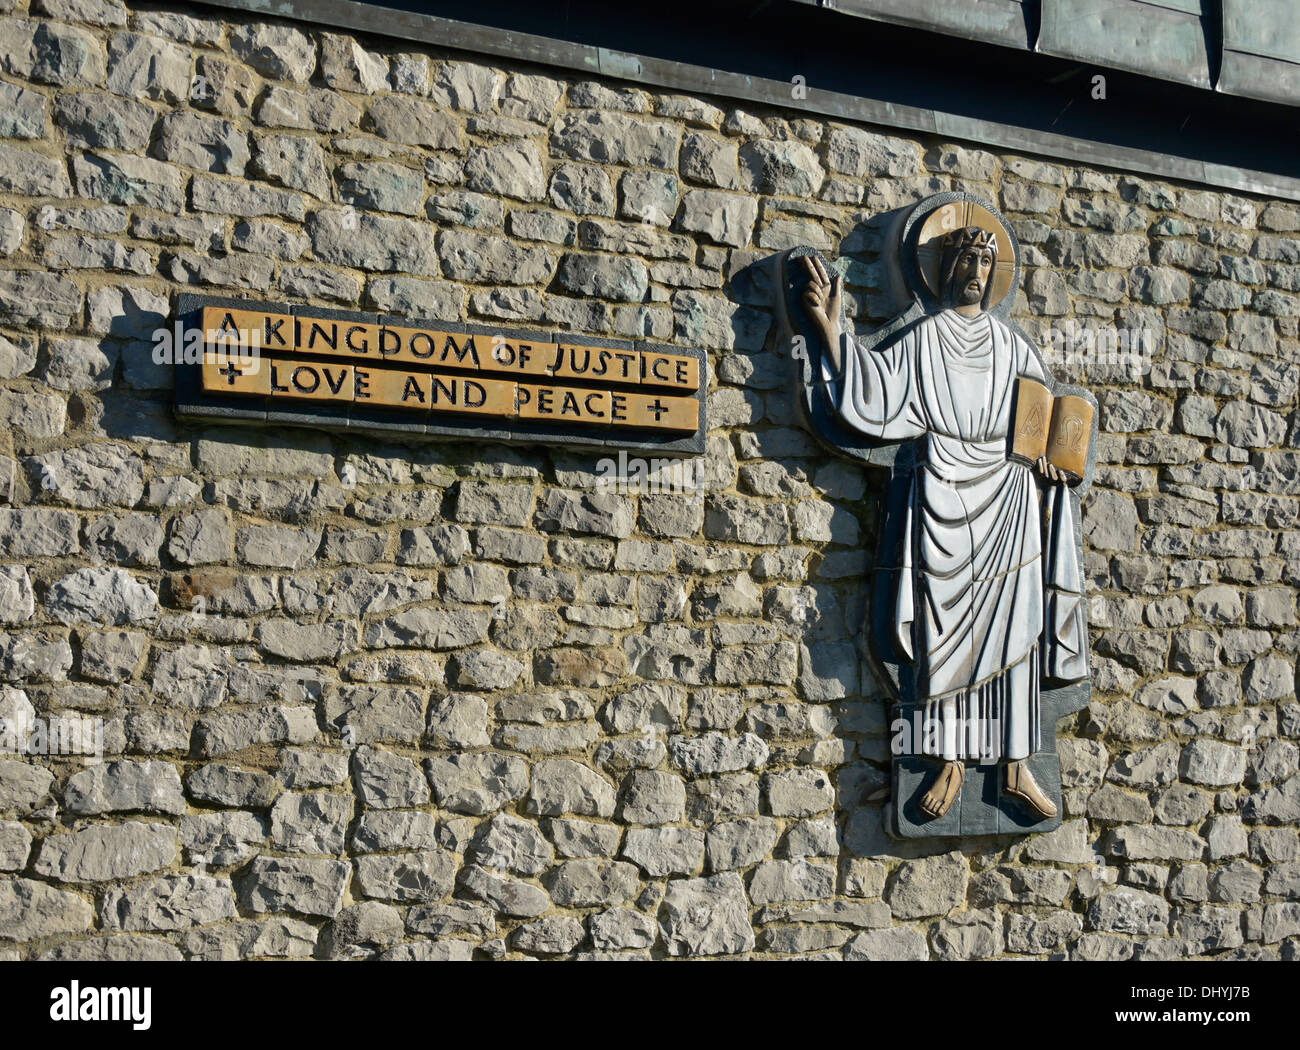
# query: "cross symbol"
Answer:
x=230 y=372
x=657 y=408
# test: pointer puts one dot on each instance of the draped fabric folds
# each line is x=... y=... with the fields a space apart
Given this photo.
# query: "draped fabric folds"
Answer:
x=972 y=595
x=1065 y=648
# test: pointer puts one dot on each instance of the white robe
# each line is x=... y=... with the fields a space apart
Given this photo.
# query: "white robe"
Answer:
x=971 y=588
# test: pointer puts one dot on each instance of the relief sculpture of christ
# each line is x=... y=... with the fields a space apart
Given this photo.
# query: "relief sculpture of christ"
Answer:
x=987 y=602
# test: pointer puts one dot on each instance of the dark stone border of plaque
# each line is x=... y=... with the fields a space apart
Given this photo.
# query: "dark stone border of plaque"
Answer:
x=192 y=403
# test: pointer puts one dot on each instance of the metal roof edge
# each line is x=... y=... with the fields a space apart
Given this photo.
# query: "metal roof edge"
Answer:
x=643 y=69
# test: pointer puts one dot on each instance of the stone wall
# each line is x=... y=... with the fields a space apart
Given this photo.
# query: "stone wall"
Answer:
x=435 y=701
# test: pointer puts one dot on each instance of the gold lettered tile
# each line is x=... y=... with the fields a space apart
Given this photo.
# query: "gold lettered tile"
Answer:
x=329 y=337
x=564 y=404
x=486 y=397
x=474 y=351
x=224 y=373
x=246 y=329
x=602 y=364
x=432 y=348
x=458 y=350
x=654 y=411
x=671 y=370
x=310 y=380
x=411 y=346
x=394 y=388
x=500 y=353
x=360 y=341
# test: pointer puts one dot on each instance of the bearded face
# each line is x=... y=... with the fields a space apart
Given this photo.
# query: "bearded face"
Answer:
x=967 y=266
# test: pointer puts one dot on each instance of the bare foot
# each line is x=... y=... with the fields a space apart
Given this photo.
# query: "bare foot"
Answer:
x=943 y=791
x=1021 y=786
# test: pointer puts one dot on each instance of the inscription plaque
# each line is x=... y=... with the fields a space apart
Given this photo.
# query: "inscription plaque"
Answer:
x=330 y=368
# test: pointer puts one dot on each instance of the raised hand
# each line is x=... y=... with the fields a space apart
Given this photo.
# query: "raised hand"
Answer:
x=822 y=301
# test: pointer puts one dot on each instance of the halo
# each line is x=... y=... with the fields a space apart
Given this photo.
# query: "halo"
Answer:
x=952 y=216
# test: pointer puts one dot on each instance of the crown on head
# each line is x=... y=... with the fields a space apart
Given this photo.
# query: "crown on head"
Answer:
x=969 y=237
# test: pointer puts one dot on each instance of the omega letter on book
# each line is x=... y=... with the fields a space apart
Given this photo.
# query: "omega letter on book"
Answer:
x=1059 y=428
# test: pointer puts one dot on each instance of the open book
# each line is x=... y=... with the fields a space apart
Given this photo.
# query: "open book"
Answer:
x=1059 y=428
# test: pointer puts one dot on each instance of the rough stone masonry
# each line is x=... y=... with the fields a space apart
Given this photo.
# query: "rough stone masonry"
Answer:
x=438 y=701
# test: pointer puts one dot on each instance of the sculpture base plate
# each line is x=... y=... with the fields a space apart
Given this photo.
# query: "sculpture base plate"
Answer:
x=982 y=809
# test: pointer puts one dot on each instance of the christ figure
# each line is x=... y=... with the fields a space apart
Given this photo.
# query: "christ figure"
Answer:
x=971 y=589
